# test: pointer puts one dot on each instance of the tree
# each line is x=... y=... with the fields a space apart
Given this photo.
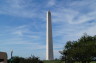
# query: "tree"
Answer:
x=81 y=50
x=31 y=59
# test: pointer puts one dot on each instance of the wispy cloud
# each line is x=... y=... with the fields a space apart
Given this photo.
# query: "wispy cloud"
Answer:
x=51 y=3
x=20 y=8
x=73 y=19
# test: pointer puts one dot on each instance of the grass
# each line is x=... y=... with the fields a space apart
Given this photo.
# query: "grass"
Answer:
x=93 y=62
x=54 y=61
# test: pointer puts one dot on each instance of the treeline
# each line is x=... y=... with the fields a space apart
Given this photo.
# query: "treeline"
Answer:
x=31 y=59
x=83 y=50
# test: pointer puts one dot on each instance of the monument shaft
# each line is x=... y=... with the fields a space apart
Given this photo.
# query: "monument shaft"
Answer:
x=49 y=41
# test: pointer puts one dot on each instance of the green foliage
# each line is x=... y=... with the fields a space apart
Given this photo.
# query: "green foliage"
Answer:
x=31 y=59
x=84 y=50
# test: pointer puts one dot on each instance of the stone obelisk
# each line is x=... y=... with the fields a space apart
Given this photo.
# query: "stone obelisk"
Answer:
x=49 y=42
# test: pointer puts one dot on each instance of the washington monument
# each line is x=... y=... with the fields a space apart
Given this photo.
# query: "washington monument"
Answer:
x=49 y=42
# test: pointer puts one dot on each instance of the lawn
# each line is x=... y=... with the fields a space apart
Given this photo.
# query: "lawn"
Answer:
x=53 y=61
x=93 y=62
x=59 y=62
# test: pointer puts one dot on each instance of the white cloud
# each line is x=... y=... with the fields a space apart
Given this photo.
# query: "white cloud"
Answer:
x=90 y=31
x=20 y=8
x=56 y=53
x=74 y=20
x=51 y=3
x=72 y=16
x=76 y=12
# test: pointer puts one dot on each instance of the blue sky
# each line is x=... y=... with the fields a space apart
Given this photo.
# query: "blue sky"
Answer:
x=23 y=24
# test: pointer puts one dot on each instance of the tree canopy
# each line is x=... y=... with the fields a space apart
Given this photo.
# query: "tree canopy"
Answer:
x=32 y=59
x=83 y=50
